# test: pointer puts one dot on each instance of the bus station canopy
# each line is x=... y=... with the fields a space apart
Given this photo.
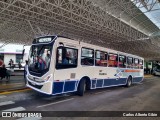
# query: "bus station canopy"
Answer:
x=131 y=26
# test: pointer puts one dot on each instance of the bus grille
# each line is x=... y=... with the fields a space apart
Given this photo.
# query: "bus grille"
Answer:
x=36 y=86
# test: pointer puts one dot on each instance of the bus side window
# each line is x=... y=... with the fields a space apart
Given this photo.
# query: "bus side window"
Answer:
x=66 y=57
x=112 y=60
x=122 y=61
x=87 y=56
x=129 y=62
x=136 y=63
x=101 y=58
x=140 y=64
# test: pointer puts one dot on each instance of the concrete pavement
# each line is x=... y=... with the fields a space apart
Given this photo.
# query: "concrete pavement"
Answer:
x=139 y=97
x=16 y=82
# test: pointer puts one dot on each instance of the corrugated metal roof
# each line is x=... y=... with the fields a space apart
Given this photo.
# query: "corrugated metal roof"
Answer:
x=117 y=24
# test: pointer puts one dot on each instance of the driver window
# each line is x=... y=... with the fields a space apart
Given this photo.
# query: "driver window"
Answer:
x=59 y=56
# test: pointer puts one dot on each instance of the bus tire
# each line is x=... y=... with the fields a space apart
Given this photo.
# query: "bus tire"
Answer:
x=129 y=81
x=81 y=87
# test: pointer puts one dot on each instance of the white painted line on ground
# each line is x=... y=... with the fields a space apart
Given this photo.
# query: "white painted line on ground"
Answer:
x=30 y=118
x=55 y=103
x=15 y=109
x=2 y=96
x=6 y=103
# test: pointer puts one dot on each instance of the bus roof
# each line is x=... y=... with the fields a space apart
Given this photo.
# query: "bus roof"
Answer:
x=92 y=46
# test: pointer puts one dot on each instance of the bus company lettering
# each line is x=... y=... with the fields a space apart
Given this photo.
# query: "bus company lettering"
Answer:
x=102 y=73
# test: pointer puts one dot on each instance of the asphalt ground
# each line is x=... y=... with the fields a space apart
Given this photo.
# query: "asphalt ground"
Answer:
x=140 y=97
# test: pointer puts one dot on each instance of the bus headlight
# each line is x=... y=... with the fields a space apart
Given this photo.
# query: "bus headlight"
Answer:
x=48 y=77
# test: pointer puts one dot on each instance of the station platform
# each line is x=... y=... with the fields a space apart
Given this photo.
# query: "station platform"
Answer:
x=17 y=82
x=148 y=75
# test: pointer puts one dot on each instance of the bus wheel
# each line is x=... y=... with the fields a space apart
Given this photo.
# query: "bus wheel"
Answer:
x=81 y=87
x=129 y=82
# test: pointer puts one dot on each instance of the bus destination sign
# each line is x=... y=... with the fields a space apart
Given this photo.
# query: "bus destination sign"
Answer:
x=43 y=40
x=48 y=39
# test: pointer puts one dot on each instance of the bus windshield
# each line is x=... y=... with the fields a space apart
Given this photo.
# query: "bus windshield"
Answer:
x=39 y=58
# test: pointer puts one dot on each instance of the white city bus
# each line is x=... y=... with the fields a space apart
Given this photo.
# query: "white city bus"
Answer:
x=60 y=65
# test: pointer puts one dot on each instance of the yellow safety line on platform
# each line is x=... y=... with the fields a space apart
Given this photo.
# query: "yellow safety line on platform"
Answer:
x=147 y=76
x=12 y=91
x=8 y=85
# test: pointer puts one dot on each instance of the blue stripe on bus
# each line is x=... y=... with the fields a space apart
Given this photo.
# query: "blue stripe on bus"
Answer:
x=109 y=82
x=137 y=79
x=69 y=86
x=57 y=87
x=93 y=84
x=99 y=83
